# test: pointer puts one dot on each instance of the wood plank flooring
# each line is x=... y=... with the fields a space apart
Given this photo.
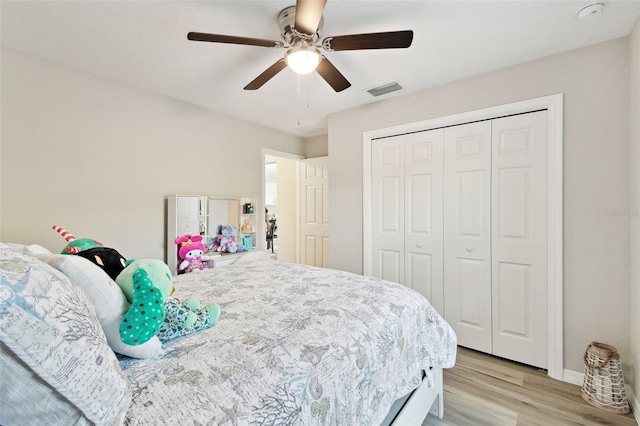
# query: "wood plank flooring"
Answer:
x=486 y=390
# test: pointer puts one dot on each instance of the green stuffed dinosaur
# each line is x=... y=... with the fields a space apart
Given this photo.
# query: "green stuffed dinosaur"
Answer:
x=148 y=286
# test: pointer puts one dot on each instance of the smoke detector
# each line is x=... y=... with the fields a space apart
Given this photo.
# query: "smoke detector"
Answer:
x=590 y=10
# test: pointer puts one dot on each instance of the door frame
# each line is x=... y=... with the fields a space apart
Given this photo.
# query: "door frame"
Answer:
x=554 y=104
x=264 y=152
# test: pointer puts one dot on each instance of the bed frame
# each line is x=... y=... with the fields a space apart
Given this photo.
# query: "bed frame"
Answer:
x=413 y=408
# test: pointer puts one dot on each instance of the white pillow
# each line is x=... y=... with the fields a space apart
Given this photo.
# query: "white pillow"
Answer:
x=108 y=299
x=51 y=328
x=30 y=249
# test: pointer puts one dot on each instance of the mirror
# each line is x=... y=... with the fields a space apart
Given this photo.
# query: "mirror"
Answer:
x=222 y=211
x=203 y=214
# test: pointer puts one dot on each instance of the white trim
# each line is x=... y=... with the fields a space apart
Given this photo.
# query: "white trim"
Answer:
x=633 y=401
x=555 y=106
x=573 y=377
x=281 y=154
x=298 y=214
x=366 y=202
x=261 y=243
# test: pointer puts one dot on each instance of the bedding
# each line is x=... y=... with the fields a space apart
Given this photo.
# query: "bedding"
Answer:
x=294 y=345
x=56 y=365
x=107 y=298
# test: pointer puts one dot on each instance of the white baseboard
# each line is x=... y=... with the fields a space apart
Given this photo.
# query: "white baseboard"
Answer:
x=577 y=378
x=572 y=377
x=635 y=404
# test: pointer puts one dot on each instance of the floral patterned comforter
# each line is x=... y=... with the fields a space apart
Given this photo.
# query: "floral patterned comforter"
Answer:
x=294 y=345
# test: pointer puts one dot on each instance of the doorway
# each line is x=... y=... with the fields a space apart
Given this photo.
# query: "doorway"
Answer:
x=281 y=206
x=296 y=208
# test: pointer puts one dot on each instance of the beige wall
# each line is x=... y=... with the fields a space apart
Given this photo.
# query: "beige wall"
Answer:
x=634 y=156
x=595 y=83
x=98 y=157
x=317 y=146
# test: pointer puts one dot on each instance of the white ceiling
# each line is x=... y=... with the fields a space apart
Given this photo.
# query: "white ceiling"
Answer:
x=144 y=43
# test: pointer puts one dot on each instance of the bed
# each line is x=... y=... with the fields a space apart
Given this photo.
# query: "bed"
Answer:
x=294 y=345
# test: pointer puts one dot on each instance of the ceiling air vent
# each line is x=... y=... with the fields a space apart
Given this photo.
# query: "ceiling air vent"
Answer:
x=384 y=89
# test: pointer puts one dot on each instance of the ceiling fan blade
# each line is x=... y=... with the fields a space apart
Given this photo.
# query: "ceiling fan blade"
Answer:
x=308 y=15
x=387 y=40
x=266 y=75
x=218 y=38
x=332 y=76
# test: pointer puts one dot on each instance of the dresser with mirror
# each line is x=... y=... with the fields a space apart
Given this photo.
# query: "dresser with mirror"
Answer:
x=202 y=215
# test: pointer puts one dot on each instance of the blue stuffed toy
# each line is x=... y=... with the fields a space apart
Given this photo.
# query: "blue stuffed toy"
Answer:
x=226 y=240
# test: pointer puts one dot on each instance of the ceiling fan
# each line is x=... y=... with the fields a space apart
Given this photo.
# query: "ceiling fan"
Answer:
x=301 y=29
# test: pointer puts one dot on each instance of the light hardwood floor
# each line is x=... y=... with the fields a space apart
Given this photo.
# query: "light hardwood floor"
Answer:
x=486 y=390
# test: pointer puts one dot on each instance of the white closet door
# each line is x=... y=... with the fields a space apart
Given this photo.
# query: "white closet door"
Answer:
x=423 y=267
x=467 y=230
x=387 y=208
x=314 y=211
x=519 y=222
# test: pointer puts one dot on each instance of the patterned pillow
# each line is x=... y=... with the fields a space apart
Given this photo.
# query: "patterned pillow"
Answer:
x=50 y=326
x=108 y=300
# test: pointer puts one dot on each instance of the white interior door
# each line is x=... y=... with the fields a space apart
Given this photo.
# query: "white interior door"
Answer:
x=314 y=212
x=387 y=208
x=467 y=230
x=519 y=222
x=423 y=215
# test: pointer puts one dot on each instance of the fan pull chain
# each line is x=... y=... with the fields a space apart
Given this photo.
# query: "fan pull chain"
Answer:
x=299 y=86
x=303 y=85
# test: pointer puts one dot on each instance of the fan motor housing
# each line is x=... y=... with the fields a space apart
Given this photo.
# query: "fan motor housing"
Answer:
x=286 y=23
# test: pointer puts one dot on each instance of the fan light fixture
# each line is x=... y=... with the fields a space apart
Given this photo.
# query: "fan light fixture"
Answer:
x=301 y=32
x=303 y=59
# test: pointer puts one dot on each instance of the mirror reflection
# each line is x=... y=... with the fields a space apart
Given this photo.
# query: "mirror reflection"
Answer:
x=221 y=211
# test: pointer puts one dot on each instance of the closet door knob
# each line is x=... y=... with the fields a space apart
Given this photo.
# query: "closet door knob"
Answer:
x=469 y=249
x=419 y=245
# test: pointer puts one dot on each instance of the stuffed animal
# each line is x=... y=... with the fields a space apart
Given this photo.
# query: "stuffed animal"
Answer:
x=226 y=240
x=107 y=258
x=140 y=301
x=181 y=318
x=191 y=253
x=148 y=285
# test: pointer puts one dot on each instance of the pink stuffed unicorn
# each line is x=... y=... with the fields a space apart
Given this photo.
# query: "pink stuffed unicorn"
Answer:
x=191 y=251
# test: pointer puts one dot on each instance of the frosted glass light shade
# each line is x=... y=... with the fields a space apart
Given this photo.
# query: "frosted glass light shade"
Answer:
x=302 y=59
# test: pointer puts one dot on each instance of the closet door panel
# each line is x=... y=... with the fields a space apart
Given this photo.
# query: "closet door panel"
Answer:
x=467 y=233
x=519 y=204
x=387 y=208
x=423 y=213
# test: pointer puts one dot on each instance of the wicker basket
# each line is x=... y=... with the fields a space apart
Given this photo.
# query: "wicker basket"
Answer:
x=603 y=385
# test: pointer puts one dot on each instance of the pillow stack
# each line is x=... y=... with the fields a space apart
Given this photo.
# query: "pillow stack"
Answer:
x=108 y=300
x=57 y=367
